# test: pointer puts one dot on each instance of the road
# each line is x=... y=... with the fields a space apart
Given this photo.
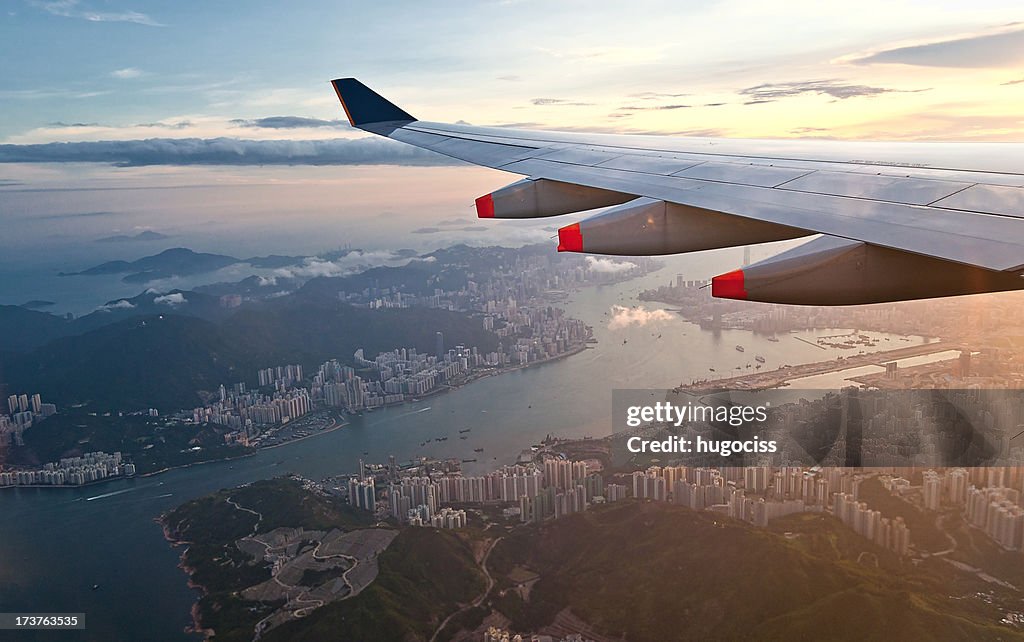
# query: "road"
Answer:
x=480 y=599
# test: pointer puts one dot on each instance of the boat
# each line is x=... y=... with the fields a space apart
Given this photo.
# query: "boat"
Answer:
x=478 y=450
x=465 y=430
x=739 y=349
x=468 y=461
x=759 y=359
x=773 y=339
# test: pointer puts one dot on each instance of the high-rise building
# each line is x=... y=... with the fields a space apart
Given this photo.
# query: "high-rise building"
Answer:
x=932 y=490
x=362 y=494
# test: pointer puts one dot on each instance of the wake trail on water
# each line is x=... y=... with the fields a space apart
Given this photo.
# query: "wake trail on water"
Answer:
x=116 y=492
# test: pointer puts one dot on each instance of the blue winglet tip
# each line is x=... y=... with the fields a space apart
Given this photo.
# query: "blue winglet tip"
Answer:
x=364 y=106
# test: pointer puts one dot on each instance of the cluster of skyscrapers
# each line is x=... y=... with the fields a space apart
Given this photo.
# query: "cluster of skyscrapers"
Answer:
x=559 y=487
x=892 y=534
x=281 y=377
x=244 y=411
x=71 y=471
x=759 y=494
x=22 y=411
x=989 y=499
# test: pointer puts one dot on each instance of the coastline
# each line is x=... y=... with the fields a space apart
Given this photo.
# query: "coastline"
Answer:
x=197 y=625
x=175 y=542
x=337 y=426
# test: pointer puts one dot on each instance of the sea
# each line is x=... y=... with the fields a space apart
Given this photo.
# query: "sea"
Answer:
x=99 y=551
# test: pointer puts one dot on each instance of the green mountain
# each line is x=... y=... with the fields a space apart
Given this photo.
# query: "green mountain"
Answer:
x=425 y=575
x=644 y=571
x=627 y=571
x=178 y=261
x=169 y=361
x=22 y=329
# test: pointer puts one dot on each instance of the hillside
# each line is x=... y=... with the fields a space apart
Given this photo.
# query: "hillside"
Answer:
x=626 y=571
x=168 y=361
x=23 y=329
x=211 y=526
x=178 y=261
x=424 y=575
x=656 y=572
x=421 y=577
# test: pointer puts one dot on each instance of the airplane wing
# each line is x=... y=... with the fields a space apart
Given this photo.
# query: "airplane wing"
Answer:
x=888 y=221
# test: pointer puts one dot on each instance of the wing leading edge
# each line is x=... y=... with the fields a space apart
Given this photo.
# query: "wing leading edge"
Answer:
x=926 y=226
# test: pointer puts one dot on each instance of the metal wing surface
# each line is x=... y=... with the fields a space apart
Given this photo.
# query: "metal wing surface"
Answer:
x=900 y=220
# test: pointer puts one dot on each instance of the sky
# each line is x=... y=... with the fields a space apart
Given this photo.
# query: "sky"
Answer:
x=214 y=122
x=85 y=70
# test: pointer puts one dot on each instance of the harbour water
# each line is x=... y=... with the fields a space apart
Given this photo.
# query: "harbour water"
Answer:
x=56 y=544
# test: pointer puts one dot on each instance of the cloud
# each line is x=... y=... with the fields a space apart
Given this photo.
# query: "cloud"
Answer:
x=174 y=299
x=510 y=78
x=126 y=73
x=1013 y=82
x=180 y=124
x=475 y=228
x=768 y=92
x=224 y=151
x=287 y=122
x=800 y=131
x=453 y=221
x=653 y=107
x=74 y=9
x=610 y=55
x=654 y=95
x=1002 y=49
x=426 y=230
x=623 y=317
x=521 y=125
x=559 y=102
x=123 y=304
x=47 y=94
x=608 y=266
x=356 y=261
x=72 y=215
x=266 y=281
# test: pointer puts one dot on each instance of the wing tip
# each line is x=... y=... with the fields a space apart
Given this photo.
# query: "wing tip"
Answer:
x=364 y=106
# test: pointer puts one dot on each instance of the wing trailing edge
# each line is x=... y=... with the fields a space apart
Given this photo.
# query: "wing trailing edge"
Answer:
x=898 y=221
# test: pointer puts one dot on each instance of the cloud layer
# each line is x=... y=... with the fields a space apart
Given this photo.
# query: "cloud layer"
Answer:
x=225 y=151
x=351 y=263
x=988 y=50
x=769 y=92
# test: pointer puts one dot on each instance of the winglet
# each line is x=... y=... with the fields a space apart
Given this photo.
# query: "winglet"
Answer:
x=363 y=106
